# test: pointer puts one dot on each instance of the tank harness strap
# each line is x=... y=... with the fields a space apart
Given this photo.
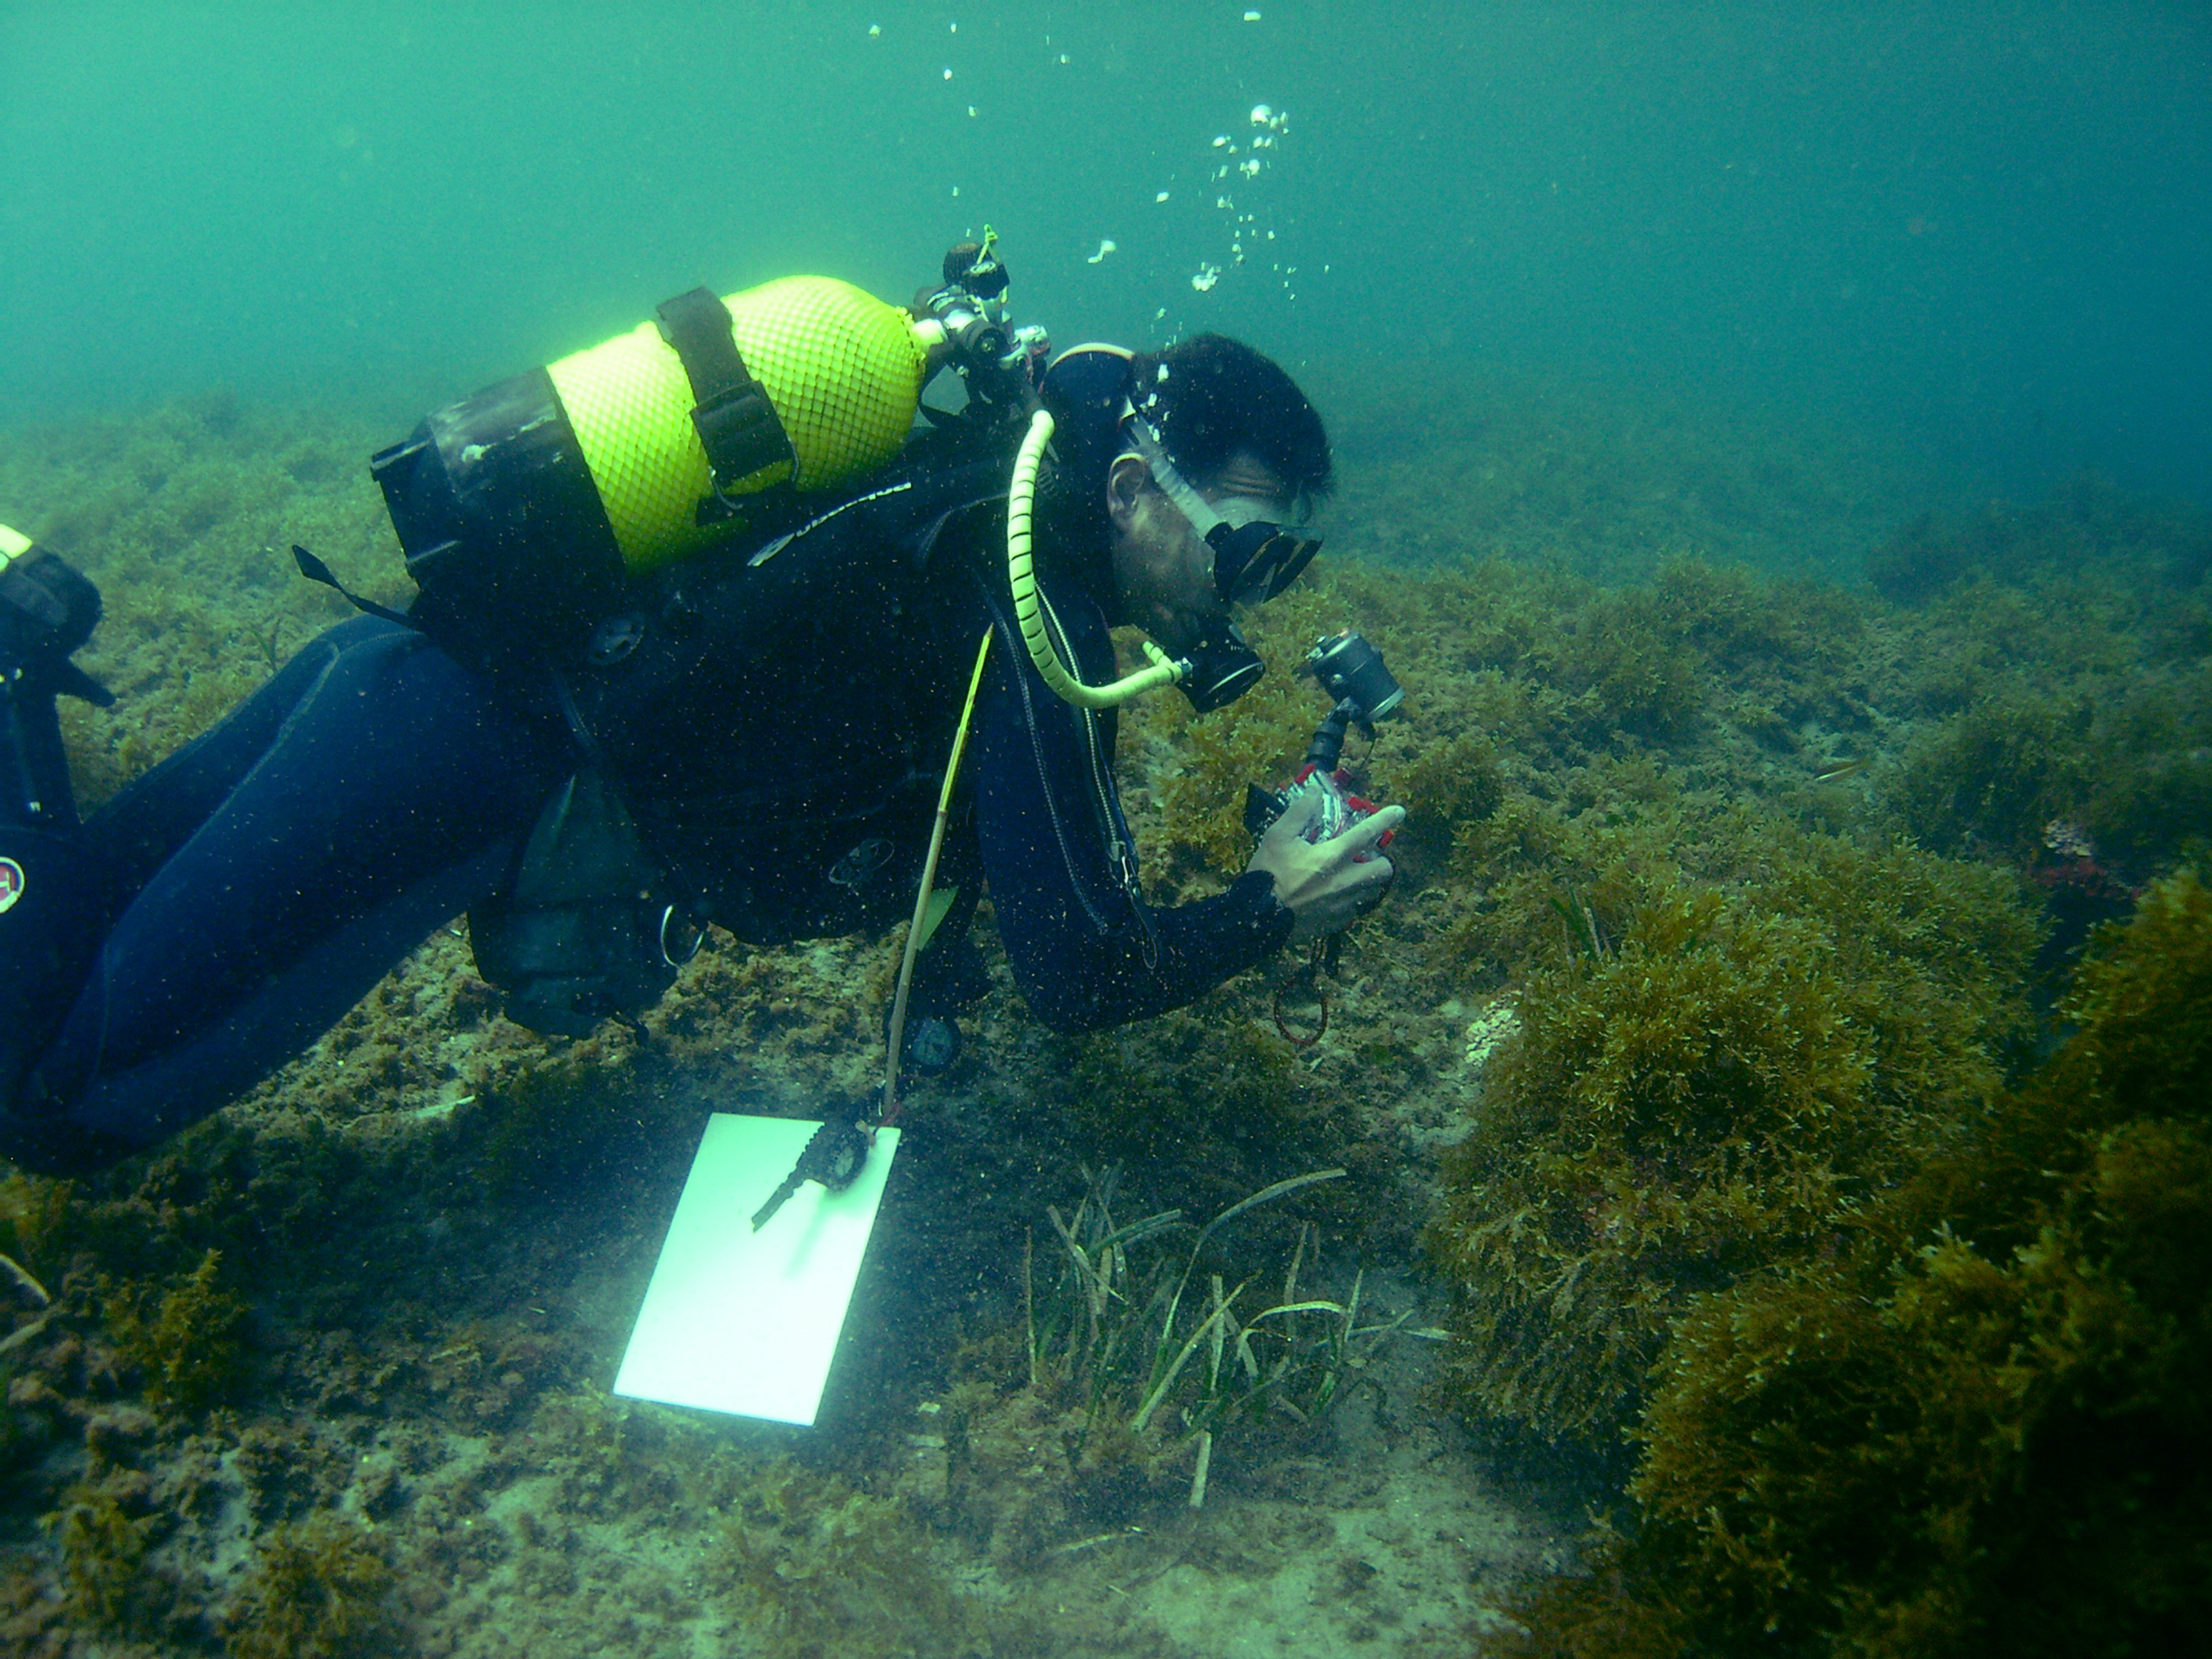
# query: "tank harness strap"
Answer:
x=737 y=426
x=316 y=571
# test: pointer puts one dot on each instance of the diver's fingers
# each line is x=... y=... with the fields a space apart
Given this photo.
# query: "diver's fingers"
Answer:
x=1360 y=887
x=1293 y=820
x=1364 y=835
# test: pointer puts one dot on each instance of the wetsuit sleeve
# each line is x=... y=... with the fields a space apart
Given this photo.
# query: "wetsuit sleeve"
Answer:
x=1086 y=953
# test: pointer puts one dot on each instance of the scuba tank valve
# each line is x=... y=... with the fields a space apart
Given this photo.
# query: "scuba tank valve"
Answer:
x=963 y=323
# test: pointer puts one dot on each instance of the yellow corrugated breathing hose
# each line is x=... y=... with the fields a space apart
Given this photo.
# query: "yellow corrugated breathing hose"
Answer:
x=1028 y=604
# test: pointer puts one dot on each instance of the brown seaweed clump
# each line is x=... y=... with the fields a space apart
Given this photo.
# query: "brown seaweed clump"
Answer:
x=1710 y=1080
x=1986 y=1428
x=187 y=1342
x=319 y=1589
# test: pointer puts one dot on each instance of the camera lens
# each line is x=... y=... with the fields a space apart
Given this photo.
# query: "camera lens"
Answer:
x=1347 y=666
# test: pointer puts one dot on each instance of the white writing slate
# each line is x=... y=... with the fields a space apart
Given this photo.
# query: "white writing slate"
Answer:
x=744 y=1322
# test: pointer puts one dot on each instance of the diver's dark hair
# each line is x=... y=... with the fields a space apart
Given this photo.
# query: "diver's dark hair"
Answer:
x=1219 y=395
x=1210 y=395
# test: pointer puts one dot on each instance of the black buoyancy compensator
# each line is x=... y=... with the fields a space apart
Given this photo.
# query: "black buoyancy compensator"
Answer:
x=584 y=931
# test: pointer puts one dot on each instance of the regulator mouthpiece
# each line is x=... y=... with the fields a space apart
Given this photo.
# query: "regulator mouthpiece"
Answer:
x=1223 y=667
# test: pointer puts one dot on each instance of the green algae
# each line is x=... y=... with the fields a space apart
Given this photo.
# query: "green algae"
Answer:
x=1981 y=1426
x=318 y=1589
x=2131 y=764
x=106 y=1541
x=1620 y=754
x=1709 y=1080
x=2086 y=522
x=832 y=1571
x=187 y=1339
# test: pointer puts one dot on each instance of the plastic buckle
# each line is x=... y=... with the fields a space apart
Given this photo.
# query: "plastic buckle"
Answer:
x=743 y=436
x=737 y=423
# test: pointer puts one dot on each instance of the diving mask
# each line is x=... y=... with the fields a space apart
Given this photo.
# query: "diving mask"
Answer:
x=1254 y=557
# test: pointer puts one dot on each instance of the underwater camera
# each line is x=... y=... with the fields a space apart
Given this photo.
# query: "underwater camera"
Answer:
x=1351 y=671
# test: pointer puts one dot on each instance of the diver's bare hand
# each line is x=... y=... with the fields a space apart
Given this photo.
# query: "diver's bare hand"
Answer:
x=1327 y=885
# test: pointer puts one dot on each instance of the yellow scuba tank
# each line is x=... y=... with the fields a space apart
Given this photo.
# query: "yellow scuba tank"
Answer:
x=523 y=511
x=842 y=371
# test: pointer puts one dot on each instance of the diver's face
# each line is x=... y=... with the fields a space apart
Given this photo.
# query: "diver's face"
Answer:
x=1163 y=568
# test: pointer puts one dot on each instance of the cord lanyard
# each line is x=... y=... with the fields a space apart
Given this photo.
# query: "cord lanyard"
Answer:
x=918 y=928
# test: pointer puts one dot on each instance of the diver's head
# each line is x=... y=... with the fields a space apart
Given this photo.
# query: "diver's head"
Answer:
x=1222 y=458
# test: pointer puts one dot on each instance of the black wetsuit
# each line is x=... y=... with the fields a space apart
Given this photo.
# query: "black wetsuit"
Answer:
x=778 y=732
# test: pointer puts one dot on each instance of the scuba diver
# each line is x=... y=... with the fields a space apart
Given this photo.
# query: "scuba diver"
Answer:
x=697 y=611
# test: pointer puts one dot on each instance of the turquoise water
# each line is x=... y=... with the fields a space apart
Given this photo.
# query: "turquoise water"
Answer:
x=1731 y=918
x=1984 y=225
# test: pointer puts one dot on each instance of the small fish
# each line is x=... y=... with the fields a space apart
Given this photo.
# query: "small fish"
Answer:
x=1843 y=769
